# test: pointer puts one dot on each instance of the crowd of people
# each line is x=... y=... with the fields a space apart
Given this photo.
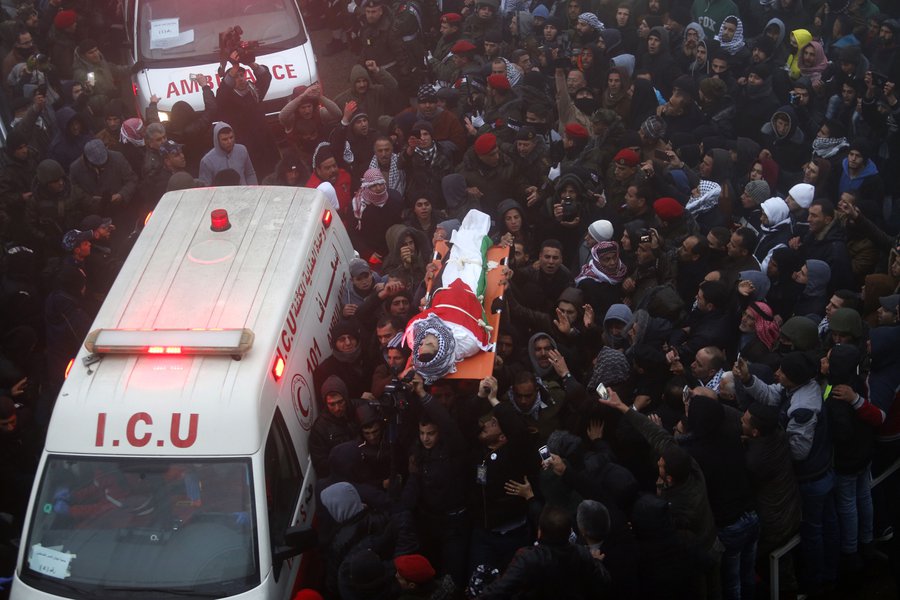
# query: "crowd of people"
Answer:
x=699 y=345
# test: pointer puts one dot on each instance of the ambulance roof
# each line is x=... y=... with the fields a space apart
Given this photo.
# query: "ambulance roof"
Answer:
x=182 y=275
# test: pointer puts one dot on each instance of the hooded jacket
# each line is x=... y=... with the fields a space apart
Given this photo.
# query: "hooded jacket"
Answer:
x=377 y=99
x=65 y=147
x=813 y=299
x=662 y=66
x=217 y=160
x=803 y=37
x=115 y=177
x=790 y=150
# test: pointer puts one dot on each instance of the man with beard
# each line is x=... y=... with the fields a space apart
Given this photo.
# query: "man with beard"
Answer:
x=386 y=160
x=326 y=170
x=307 y=118
x=693 y=35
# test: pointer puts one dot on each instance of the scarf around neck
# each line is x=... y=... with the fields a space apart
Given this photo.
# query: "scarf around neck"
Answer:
x=396 y=179
x=828 y=147
x=592 y=269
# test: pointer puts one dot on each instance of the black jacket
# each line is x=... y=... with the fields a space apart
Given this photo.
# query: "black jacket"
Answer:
x=550 y=571
x=491 y=506
x=438 y=482
x=327 y=432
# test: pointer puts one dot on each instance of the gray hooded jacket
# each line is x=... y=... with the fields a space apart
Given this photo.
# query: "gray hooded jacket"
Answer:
x=217 y=160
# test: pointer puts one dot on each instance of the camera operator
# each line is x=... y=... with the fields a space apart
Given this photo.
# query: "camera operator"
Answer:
x=31 y=75
x=240 y=104
x=435 y=490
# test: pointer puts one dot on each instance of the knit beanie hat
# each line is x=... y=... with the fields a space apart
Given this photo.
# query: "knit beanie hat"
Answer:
x=653 y=127
x=334 y=385
x=601 y=230
x=758 y=191
x=803 y=194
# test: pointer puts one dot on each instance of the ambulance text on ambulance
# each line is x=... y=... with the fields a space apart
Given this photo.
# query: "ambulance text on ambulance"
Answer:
x=185 y=87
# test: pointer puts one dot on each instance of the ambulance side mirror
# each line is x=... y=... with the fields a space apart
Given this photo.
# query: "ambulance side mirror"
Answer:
x=297 y=540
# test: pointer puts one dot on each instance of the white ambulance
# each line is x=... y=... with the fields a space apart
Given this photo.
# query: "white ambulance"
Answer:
x=176 y=460
x=174 y=39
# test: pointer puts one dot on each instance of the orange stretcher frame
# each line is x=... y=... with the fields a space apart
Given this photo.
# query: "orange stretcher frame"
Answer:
x=482 y=364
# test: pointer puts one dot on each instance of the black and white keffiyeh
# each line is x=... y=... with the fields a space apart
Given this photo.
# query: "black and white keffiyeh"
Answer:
x=444 y=361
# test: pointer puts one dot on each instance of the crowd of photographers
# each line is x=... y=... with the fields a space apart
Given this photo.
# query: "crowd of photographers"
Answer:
x=698 y=352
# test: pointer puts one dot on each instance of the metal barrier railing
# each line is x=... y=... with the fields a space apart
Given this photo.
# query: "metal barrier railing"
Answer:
x=792 y=543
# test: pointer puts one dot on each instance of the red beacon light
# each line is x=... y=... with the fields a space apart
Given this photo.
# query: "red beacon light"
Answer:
x=69 y=367
x=326 y=218
x=219 y=220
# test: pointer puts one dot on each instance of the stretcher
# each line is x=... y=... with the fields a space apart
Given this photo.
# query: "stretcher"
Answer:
x=480 y=365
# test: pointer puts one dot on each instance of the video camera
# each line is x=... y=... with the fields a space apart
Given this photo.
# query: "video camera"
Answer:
x=230 y=41
x=395 y=395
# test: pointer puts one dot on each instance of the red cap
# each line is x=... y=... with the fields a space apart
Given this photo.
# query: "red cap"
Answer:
x=64 y=19
x=668 y=209
x=414 y=568
x=462 y=46
x=577 y=130
x=485 y=143
x=451 y=18
x=627 y=158
x=498 y=81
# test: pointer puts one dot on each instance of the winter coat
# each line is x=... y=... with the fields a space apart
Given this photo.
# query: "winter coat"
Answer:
x=378 y=99
x=496 y=183
x=116 y=177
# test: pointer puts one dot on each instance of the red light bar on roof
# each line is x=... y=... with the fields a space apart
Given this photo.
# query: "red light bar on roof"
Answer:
x=215 y=342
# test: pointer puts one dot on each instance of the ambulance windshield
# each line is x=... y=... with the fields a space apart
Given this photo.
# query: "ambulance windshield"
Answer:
x=174 y=30
x=136 y=528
